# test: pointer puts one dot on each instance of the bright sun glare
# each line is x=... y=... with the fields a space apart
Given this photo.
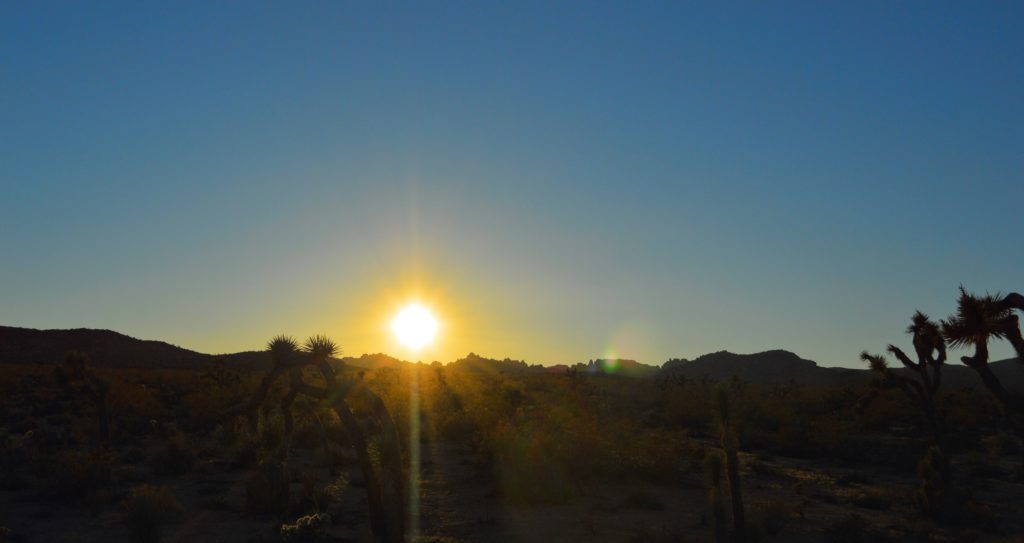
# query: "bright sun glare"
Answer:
x=414 y=326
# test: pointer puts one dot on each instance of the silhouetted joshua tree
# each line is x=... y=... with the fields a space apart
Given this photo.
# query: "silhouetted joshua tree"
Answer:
x=923 y=385
x=384 y=485
x=979 y=319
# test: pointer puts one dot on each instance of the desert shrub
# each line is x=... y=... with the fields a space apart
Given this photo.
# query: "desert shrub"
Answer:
x=984 y=465
x=641 y=499
x=1005 y=444
x=234 y=443
x=148 y=510
x=133 y=456
x=271 y=434
x=852 y=529
x=77 y=474
x=310 y=416
x=266 y=490
x=717 y=516
x=966 y=410
x=310 y=528
x=176 y=457
x=133 y=405
x=527 y=465
x=869 y=500
x=934 y=495
x=319 y=497
x=772 y=517
x=457 y=427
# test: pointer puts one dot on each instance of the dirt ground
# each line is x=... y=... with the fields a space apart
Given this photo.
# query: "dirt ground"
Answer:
x=798 y=500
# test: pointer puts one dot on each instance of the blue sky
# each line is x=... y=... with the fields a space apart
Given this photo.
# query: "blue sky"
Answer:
x=560 y=181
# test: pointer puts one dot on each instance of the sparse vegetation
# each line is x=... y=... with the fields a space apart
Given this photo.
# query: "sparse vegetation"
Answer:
x=278 y=450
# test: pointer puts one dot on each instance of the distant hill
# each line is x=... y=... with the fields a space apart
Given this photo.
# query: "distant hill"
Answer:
x=374 y=361
x=776 y=366
x=107 y=349
x=780 y=366
x=475 y=362
x=619 y=366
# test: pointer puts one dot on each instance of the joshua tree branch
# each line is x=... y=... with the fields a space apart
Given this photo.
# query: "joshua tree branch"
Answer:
x=1012 y=300
x=1011 y=327
x=902 y=357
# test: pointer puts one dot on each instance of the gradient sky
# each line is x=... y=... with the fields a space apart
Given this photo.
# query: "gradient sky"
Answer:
x=560 y=181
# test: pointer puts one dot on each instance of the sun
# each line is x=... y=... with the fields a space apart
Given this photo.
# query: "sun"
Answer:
x=414 y=326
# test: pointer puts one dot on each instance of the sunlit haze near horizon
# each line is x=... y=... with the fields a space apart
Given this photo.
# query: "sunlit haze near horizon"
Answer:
x=554 y=182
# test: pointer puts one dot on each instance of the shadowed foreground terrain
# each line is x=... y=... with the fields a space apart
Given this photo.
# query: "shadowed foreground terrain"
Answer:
x=491 y=450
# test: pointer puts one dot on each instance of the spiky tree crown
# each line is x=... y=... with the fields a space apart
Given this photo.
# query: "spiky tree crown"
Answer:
x=877 y=362
x=321 y=347
x=283 y=348
x=921 y=326
x=976 y=316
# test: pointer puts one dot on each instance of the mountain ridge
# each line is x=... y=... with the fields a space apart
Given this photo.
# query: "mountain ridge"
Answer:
x=108 y=348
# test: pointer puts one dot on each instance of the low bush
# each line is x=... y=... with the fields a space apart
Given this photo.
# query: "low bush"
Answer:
x=266 y=490
x=148 y=510
x=176 y=457
x=78 y=474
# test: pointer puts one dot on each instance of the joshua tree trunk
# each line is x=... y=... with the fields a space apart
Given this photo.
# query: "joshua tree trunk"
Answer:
x=979 y=363
x=391 y=468
x=378 y=519
x=713 y=479
x=730 y=445
x=732 y=465
x=253 y=408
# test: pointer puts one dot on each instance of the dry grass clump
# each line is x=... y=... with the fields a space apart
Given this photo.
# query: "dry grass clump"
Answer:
x=148 y=510
x=176 y=457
